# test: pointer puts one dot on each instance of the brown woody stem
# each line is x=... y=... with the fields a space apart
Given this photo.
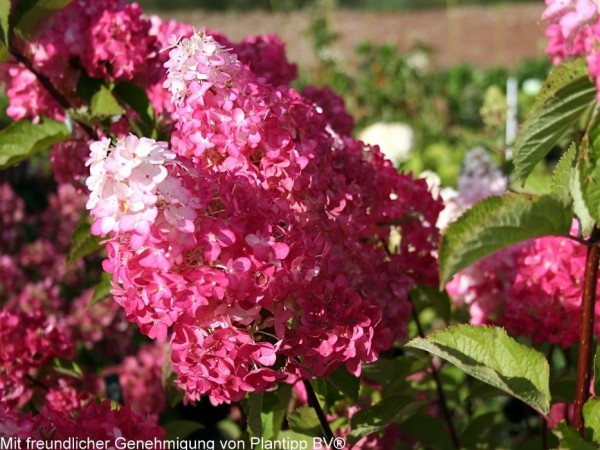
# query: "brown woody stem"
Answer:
x=586 y=329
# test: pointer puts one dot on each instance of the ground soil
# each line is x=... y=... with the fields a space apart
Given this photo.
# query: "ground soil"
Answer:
x=484 y=36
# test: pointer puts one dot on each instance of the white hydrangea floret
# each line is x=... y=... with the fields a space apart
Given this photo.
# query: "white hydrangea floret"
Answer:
x=395 y=139
x=123 y=183
x=197 y=58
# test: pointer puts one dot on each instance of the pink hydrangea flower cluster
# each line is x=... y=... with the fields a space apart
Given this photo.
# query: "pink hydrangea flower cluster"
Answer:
x=107 y=39
x=574 y=30
x=38 y=289
x=260 y=247
x=97 y=422
x=532 y=289
x=140 y=377
x=27 y=343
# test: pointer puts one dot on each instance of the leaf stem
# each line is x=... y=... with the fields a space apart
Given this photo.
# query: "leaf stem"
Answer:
x=586 y=328
x=314 y=402
x=439 y=387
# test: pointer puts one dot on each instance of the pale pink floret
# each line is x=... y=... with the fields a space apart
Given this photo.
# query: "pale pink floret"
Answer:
x=262 y=259
x=124 y=181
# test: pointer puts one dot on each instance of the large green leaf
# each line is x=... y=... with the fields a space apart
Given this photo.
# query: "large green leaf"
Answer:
x=274 y=409
x=102 y=290
x=496 y=223
x=570 y=440
x=589 y=171
x=490 y=355
x=29 y=14
x=83 y=242
x=104 y=104
x=135 y=97
x=560 y=184
x=567 y=93
x=591 y=416
x=4 y=29
x=579 y=206
x=23 y=139
x=374 y=418
x=252 y=405
x=345 y=382
x=304 y=421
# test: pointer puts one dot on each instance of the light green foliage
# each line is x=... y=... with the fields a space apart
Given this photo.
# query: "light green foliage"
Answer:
x=490 y=355
x=496 y=223
x=102 y=289
x=29 y=14
x=589 y=170
x=83 y=242
x=4 y=29
x=104 y=105
x=560 y=184
x=570 y=440
x=566 y=94
x=23 y=139
x=372 y=419
x=591 y=416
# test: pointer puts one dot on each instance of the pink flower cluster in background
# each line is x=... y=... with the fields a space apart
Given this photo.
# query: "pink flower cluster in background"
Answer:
x=98 y=422
x=574 y=30
x=532 y=289
x=259 y=244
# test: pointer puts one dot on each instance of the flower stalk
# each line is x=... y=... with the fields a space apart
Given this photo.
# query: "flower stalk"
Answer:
x=586 y=329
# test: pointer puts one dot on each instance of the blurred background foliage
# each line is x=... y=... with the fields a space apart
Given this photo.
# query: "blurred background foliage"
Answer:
x=286 y=5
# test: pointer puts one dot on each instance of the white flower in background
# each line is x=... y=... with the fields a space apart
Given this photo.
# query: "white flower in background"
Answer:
x=395 y=139
x=419 y=61
x=480 y=177
x=453 y=207
x=532 y=86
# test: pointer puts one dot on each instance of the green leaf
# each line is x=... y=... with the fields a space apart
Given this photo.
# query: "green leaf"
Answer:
x=83 y=242
x=274 y=409
x=591 y=418
x=102 y=290
x=135 y=97
x=29 y=14
x=589 y=171
x=104 y=105
x=345 y=382
x=288 y=436
x=4 y=29
x=560 y=184
x=579 y=207
x=181 y=428
x=374 y=418
x=430 y=432
x=252 y=405
x=570 y=439
x=428 y=296
x=490 y=355
x=68 y=368
x=23 y=139
x=174 y=395
x=498 y=222
x=567 y=93
x=479 y=431
x=304 y=421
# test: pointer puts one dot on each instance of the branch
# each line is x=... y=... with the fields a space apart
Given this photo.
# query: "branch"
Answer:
x=586 y=328
x=314 y=402
x=45 y=81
